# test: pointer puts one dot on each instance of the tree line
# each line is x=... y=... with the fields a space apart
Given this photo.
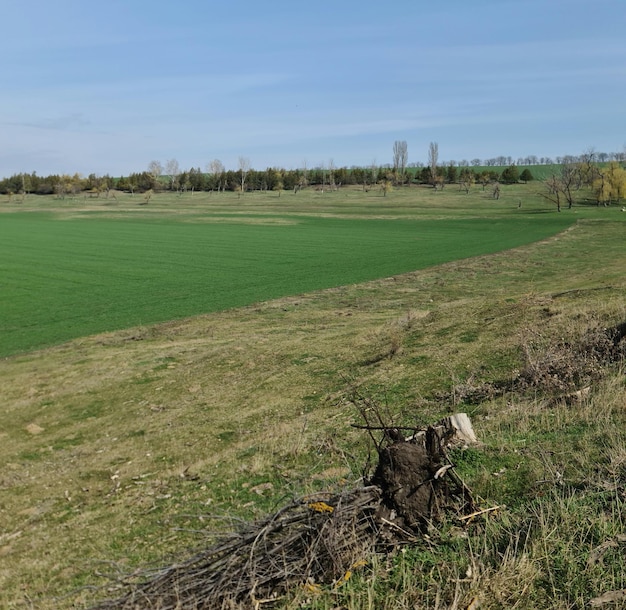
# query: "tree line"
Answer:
x=607 y=180
x=271 y=179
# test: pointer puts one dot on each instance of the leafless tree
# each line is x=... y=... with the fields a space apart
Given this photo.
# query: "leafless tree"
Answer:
x=433 y=157
x=400 y=158
x=374 y=172
x=303 y=180
x=331 y=174
x=155 y=169
x=554 y=191
x=467 y=178
x=588 y=170
x=172 y=170
x=216 y=168
x=244 y=168
x=569 y=181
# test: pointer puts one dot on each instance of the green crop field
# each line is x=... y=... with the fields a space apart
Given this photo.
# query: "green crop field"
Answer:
x=75 y=272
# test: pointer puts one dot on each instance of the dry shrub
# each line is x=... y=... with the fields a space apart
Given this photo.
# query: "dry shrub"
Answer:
x=565 y=365
x=317 y=539
x=314 y=539
x=552 y=367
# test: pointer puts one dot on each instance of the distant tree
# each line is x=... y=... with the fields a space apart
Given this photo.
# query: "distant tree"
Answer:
x=196 y=179
x=67 y=185
x=155 y=169
x=433 y=157
x=374 y=172
x=451 y=174
x=510 y=175
x=423 y=175
x=172 y=170
x=610 y=185
x=216 y=170
x=569 y=180
x=244 y=168
x=400 y=159
x=553 y=191
x=386 y=186
x=588 y=168
x=331 y=174
x=484 y=178
x=466 y=179
x=526 y=176
x=26 y=185
x=564 y=183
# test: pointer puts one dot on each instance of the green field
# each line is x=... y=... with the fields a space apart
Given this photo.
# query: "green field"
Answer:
x=76 y=271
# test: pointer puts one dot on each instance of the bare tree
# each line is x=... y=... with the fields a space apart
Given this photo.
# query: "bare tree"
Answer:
x=569 y=179
x=303 y=179
x=216 y=168
x=400 y=158
x=374 y=172
x=331 y=175
x=554 y=191
x=589 y=171
x=155 y=169
x=244 y=168
x=433 y=157
x=467 y=178
x=172 y=170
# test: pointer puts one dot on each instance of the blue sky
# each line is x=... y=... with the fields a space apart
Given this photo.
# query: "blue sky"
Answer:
x=105 y=87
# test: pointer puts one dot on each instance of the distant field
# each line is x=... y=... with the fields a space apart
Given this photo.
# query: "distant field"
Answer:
x=539 y=172
x=74 y=272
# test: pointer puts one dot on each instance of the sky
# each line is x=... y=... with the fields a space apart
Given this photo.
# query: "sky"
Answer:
x=90 y=86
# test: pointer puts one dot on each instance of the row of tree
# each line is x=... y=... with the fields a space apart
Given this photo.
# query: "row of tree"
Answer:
x=327 y=178
x=607 y=181
x=502 y=160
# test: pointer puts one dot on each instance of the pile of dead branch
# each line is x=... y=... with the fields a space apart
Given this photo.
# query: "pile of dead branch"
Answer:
x=317 y=539
x=552 y=368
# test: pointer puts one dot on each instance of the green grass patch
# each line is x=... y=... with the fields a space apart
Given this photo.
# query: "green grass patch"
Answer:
x=63 y=279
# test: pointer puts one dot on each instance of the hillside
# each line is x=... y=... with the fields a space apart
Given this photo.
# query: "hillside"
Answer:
x=122 y=449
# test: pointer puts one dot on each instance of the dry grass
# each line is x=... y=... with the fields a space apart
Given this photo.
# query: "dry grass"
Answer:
x=117 y=447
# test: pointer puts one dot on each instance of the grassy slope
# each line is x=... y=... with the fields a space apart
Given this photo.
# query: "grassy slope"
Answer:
x=115 y=445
